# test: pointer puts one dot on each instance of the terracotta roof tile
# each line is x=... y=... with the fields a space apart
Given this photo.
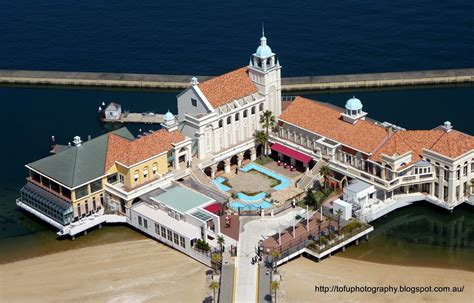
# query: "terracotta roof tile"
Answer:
x=450 y=144
x=326 y=121
x=228 y=87
x=454 y=144
x=131 y=152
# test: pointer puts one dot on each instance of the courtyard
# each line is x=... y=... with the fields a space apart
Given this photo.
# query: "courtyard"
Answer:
x=255 y=186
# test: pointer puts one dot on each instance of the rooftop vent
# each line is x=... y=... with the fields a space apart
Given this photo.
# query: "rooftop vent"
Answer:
x=77 y=141
x=447 y=127
x=194 y=81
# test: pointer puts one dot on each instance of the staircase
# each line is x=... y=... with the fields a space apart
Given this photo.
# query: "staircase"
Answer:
x=199 y=176
x=200 y=182
x=311 y=176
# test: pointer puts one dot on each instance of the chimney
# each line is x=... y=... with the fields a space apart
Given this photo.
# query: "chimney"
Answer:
x=77 y=141
x=194 y=81
x=447 y=127
x=390 y=131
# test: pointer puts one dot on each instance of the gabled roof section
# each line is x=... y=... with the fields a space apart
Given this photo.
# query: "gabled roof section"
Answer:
x=450 y=144
x=228 y=87
x=453 y=144
x=78 y=165
x=326 y=121
x=131 y=152
x=113 y=106
x=410 y=140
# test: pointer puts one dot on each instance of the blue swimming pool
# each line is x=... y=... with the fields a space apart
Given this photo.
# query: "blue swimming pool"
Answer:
x=252 y=202
x=218 y=182
x=246 y=206
x=254 y=198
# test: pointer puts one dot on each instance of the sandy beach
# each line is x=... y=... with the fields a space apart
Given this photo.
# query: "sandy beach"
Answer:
x=146 y=271
x=133 y=271
x=301 y=275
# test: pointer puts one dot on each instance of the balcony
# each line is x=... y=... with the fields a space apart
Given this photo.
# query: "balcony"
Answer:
x=389 y=185
x=120 y=190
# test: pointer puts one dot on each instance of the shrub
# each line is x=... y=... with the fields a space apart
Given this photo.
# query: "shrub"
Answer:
x=350 y=227
x=202 y=245
x=324 y=240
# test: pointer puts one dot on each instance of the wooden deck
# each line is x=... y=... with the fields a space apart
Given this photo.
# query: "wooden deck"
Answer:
x=138 y=118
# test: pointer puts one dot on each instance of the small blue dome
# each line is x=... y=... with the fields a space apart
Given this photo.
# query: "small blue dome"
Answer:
x=353 y=104
x=169 y=116
x=264 y=51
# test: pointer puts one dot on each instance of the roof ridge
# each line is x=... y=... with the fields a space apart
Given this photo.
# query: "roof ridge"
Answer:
x=436 y=141
x=74 y=165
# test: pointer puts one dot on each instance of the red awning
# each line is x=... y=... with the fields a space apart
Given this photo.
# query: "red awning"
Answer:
x=214 y=208
x=291 y=153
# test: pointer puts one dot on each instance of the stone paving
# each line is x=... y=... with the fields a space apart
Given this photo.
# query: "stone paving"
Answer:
x=251 y=181
x=252 y=231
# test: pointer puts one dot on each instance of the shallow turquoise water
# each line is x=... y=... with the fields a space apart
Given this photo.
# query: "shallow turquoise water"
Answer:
x=248 y=206
x=218 y=182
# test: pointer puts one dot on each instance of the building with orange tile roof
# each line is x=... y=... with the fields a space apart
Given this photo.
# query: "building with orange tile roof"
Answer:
x=325 y=121
x=222 y=114
x=215 y=128
x=438 y=164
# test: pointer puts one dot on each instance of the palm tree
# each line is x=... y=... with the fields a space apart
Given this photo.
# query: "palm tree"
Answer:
x=326 y=172
x=267 y=120
x=215 y=260
x=275 y=255
x=221 y=241
x=214 y=286
x=274 y=286
x=338 y=215
x=261 y=138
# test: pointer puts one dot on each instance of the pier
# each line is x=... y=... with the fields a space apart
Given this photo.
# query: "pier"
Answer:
x=291 y=84
x=137 y=118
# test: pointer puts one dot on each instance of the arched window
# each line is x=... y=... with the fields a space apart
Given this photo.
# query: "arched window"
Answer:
x=237 y=117
x=253 y=110
x=136 y=175
x=220 y=123
x=245 y=113
x=229 y=120
x=145 y=172
x=155 y=168
x=260 y=107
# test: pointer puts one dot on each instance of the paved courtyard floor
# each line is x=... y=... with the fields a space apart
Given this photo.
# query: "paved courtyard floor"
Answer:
x=251 y=182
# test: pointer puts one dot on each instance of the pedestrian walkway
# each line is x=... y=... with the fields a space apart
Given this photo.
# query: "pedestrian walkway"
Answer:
x=226 y=293
x=252 y=231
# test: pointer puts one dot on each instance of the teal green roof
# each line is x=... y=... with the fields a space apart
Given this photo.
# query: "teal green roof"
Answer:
x=182 y=199
x=78 y=165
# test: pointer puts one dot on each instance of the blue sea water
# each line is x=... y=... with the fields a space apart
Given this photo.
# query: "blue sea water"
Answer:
x=212 y=37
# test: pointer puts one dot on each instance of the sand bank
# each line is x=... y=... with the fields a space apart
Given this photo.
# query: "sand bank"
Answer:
x=133 y=271
x=301 y=275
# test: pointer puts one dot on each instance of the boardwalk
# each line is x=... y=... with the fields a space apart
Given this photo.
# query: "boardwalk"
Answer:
x=251 y=233
x=138 y=118
x=431 y=77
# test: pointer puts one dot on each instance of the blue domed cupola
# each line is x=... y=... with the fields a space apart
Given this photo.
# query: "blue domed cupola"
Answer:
x=353 y=106
x=263 y=58
x=353 y=111
x=264 y=51
x=169 y=122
